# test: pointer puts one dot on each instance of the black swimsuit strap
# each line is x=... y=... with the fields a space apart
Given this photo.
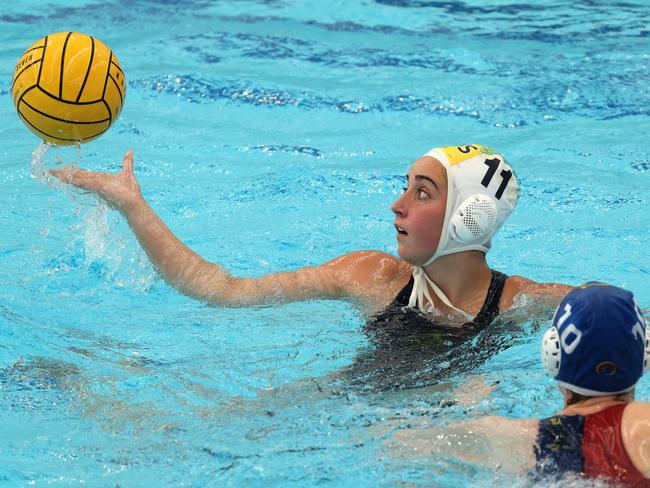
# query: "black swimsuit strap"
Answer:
x=490 y=309
x=402 y=298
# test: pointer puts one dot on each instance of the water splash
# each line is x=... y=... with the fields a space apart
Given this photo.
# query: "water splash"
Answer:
x=39 y=164
x=109 y=251
x=38 y=169
x=101 y=247
x=95 y=231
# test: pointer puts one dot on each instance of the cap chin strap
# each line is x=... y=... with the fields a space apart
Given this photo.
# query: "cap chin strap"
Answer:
x=421 y=283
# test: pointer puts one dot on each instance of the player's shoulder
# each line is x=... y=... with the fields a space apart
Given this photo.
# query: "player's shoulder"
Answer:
x=639 y=410
x=376 y=264
x=374 y=277
x=636 y=434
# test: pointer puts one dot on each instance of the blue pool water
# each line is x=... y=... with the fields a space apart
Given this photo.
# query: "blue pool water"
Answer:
x=271 y=135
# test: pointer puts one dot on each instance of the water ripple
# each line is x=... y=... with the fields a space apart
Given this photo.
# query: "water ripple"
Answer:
x=286 y=149
x=641 y=166
x=197 y=89
x=550 y=22
x=531 y=104
x=264 y=46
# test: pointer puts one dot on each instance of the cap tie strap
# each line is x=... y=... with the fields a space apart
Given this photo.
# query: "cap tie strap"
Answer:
x=421 y=283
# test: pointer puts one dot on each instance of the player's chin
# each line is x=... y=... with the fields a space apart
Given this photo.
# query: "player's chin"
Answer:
x=414 y=257
x=406 y=253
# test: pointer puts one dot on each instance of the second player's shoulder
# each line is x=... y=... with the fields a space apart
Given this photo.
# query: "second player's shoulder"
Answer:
x=636 y=435
x=635 y=411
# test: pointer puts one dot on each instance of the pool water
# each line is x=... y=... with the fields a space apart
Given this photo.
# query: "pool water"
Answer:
x=271 y=135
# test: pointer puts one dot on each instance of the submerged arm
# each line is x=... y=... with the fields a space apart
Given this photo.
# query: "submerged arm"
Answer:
x=497 y=443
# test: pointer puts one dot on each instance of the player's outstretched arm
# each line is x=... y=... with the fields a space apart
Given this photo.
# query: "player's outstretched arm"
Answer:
x=353 y=276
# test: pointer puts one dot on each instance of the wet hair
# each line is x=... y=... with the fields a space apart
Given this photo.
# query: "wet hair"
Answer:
x=576 y=398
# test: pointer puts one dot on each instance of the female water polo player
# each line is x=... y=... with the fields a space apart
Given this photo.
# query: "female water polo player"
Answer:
x=597 y=349
x=455 y=199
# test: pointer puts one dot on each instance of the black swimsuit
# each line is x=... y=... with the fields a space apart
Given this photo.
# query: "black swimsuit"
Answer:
x=409 y=348
x=489 y=311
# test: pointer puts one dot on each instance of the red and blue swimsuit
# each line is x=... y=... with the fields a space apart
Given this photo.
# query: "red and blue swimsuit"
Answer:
x=589 y=445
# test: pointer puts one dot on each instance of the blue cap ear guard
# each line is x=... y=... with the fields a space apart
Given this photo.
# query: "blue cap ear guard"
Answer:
x=597 y=344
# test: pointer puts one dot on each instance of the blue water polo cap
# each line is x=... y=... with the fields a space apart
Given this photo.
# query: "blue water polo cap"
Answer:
x=597 y=344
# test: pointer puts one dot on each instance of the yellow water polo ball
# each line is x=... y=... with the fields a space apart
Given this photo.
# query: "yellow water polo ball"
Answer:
x=68 y=87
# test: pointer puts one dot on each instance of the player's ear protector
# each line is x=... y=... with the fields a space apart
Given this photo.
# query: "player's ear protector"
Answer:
x=474 y=218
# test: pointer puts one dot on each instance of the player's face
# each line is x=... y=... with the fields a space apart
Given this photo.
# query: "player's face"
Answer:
x=420 y=211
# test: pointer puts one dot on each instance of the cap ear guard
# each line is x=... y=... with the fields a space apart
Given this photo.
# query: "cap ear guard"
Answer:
x=473 y=219
x=551 y=351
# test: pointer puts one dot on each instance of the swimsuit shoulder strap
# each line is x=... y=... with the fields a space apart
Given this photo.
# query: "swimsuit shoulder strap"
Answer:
x=490 y=309
x=402 y=298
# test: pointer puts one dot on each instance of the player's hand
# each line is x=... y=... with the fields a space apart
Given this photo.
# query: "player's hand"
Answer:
x=120 y=190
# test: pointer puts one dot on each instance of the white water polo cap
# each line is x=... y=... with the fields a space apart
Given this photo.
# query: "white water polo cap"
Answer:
x=482 y=191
